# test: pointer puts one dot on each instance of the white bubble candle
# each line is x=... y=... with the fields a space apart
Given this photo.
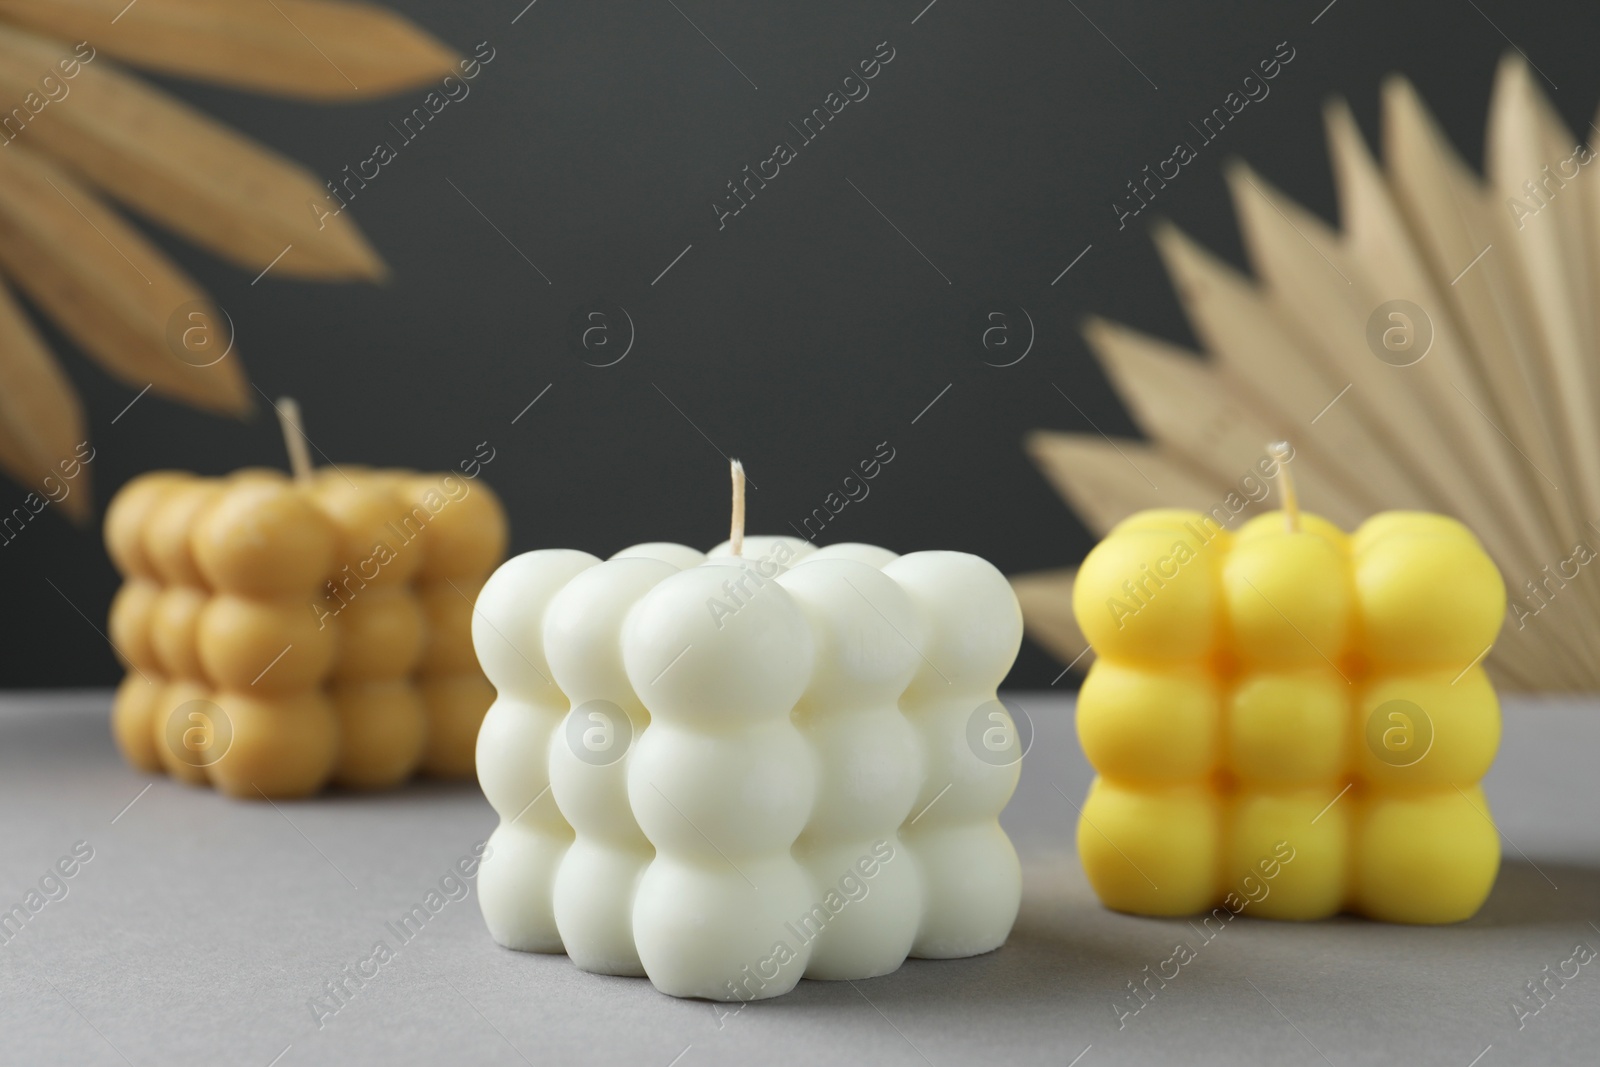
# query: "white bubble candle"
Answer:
x=731 y=770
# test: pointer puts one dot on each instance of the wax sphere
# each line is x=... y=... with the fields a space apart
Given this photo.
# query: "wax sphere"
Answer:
x=132 y=616
x=1431 y=730
x=380 y=636
x=1149 y=593
x=376 y=534
x=870 y=656
x=270 y=646
x=1289 y=726
x=722 y=754
x=1202 y=528
x=1288 y=853
x=166 y=531
x=1273 y=523
x=1288 y=597
x=455 y=706
x=583 y=623
x=174 y=625
x=759 y=656
x=1151 y=851
x=513 y=747
x=281 y=746
x=257 y=474
x=181 y=721
x=871 y=555
x=978 y=625
x=592 y=900
x=680 y=556
x=1427 y=598
x=1429 y=858
x=133 y=711
x=1416 y=522
x=781 y=549
x=508 y=618
x=972 y=878
x=127 y=515
x=382 y=730
x=264 y=538
x=447 y=609
x=868 y=755
x=465 y=531
x=1147 y=725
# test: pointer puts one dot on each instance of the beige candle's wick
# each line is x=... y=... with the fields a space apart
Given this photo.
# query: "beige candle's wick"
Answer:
x=294 y=438
x=1280 y=451
x=736 y=530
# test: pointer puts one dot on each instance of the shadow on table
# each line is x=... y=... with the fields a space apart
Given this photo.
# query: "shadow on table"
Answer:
x=1060 y=948
x=1540 y=894
x=419 y=791
x=1065 y=946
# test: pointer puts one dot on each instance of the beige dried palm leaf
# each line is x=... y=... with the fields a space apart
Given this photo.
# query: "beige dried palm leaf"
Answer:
x=70 y=146
x=1485 y=404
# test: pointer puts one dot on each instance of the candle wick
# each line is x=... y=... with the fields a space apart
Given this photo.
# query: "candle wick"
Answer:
x=294 y=438
x=736 y=530
x=1282 y=452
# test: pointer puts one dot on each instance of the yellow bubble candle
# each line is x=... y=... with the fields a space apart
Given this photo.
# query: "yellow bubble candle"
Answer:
x=1288 y=718
x=287 y=633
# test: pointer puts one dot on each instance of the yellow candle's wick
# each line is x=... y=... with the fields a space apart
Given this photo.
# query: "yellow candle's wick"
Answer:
x=736 y=530
x=294 y=438
x=1280 y=451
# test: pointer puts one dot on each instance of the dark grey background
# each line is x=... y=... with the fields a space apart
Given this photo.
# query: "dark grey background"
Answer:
x=808 y=330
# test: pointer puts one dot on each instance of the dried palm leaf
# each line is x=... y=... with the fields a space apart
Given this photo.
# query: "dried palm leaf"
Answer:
x=1107 y=480
x=72 y=124
x=108 y=287
x=1046 y=600
x=315 y=49
x=41 y=422
x=1496 y=421
x=183 y=169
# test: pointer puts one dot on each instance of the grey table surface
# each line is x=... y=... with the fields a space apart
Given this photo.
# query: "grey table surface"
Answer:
x=202 y=927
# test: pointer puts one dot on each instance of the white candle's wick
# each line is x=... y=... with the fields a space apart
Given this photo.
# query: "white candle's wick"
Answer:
x=1280 y=451
x=294 y=438
x=736 y=530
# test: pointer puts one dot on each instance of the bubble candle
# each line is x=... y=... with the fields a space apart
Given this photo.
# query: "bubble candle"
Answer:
x=729 y=770
x=1289 y=690
x=285 y=633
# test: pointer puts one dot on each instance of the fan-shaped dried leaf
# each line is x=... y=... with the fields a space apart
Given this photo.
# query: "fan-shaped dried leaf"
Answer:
x=1199 y=412
x=104 y=283
x=1547 y=247
x=1310 y=278
x=1046 y=599
x=1384 y=264
x=1452 y=218
x=1499 y=423
x=1240 y=326
x=314 y=49
x=41 y=421
x=182 y=168
x=1106 y=480
x=1456 y=224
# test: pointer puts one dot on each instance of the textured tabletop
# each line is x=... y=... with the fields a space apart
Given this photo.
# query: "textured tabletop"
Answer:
x=202 y=930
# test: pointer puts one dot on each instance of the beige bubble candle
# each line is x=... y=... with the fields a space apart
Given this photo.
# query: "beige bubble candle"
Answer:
x=282 y=633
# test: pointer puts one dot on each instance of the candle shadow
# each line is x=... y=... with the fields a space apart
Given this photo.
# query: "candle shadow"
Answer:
x=1540 y=894
x=421 y=790
x=1065 y=946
